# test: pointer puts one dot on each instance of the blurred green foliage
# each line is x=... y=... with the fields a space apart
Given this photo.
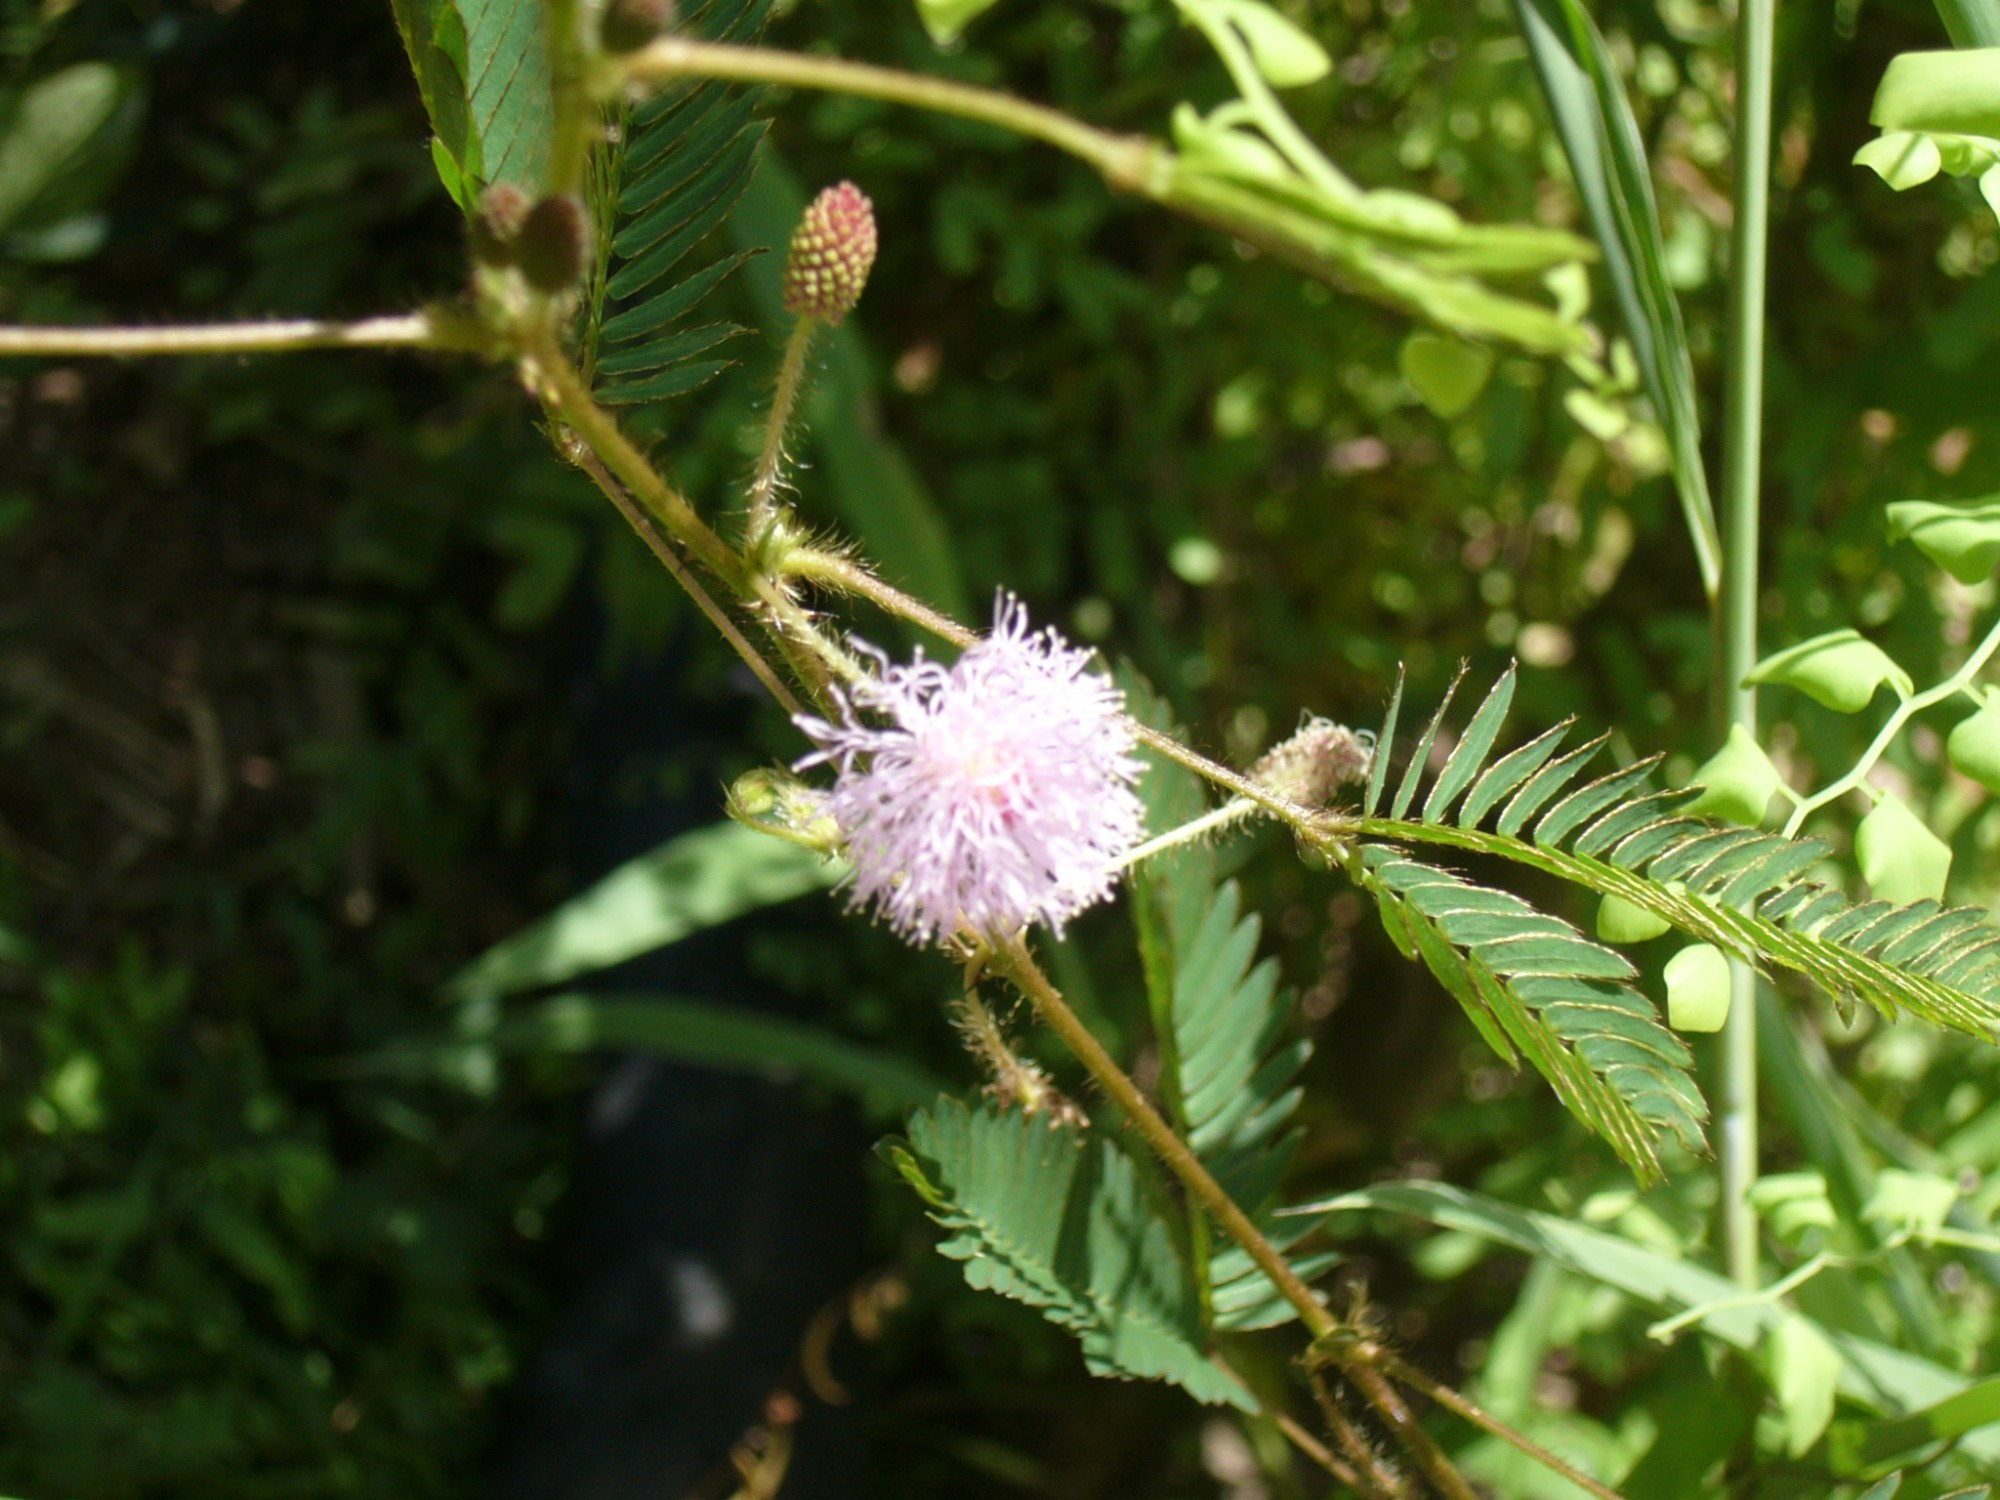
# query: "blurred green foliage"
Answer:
x=283 y=647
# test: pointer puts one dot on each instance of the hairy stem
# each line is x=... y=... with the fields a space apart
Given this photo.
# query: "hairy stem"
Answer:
x=562 y=390
x=704 y=601
x=1377 y=1481
x=764 y=484
x=1460 y=1406
x=1743 y=445
x=1424 y=1452
x=405 y=331
x=1014 y=960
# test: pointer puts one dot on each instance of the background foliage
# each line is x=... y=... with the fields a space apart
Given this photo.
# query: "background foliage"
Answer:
x=284 y=648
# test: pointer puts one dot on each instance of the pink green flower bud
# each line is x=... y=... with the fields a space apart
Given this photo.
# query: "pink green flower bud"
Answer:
x=831 y=253
x=1316 y=762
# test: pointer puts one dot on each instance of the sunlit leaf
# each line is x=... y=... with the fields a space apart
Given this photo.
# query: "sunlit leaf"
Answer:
x=1698 y=988
x=1838 y=669
x=1901 y=859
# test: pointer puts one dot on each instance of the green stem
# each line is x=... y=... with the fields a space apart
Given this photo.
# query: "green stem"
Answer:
x=1376 y=1480
x=405 y=331
x=577 y=115
x=1470 y=1411
x=1743 y=440
x=1013 y=959
x=1212 y=821
x=564 y=393
x=1911 y=706
x=1127 y=161
x=658 y=545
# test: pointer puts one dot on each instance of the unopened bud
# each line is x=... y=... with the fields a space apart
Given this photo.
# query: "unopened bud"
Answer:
x=553 y=247
x=631 y=24
x=778 y=803
x=1313 y=764
x=831 y=253
x=496 y=223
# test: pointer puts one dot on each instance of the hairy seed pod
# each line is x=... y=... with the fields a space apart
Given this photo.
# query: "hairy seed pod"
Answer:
x=831 y=253
x=553 y=247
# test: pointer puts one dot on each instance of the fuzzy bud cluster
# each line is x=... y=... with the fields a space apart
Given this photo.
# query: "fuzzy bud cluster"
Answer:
x=831 y=254
x=1316 y=762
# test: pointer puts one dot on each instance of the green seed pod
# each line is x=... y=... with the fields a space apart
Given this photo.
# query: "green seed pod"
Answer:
x=1698 y=988
x=1619 y=921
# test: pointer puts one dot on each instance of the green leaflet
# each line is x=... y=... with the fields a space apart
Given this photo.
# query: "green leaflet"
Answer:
x=482 y=67
x=704 y=1033
x=1533 y=985
x=698 y=880
x=1607 y=159
x=1051 y=1217
x=687 y=157
x=1745 y=891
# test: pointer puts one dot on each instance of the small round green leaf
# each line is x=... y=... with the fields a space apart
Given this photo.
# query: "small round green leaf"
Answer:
x=1964 y=540
x=1698 y=988
x=1285 y=55
x=1737 y=781
x=1955 y=92
x=1447 y=373
x=1901 y=158
x=1901 y=859
x=1804 y=1369
x=1838 y=669
x=1974 y=746
x=1619 y=921
x=1601 y=418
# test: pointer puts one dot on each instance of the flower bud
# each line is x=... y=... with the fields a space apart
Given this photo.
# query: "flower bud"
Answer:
x=1313 y=764
x=778 y=803
x=830 y=256
x=553 y=247
x=496 y=223
x=631 y=24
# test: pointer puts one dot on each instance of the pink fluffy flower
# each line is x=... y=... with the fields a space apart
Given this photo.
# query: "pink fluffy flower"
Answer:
x=997 y=794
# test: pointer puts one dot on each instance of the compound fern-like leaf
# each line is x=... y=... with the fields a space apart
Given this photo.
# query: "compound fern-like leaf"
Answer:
x=1043 y=1214
x=1745 y=890
x=1535 y=987
x=687 y=158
